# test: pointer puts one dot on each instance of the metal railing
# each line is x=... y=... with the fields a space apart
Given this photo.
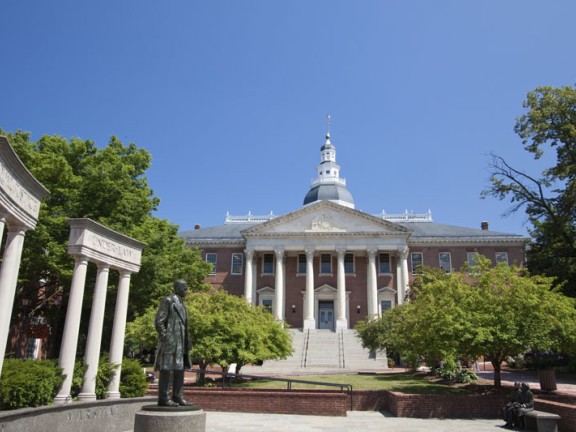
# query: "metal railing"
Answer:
x=227 y=380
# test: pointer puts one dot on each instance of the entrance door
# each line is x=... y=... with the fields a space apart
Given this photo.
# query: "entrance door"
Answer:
x=326 y=315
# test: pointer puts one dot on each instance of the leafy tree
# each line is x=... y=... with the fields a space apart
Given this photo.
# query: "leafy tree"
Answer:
x=223 y=329
x=109 y=186
x=549 y=198
x=495 y=311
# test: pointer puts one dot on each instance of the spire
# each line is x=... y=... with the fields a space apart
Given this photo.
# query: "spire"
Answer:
x=328 y=185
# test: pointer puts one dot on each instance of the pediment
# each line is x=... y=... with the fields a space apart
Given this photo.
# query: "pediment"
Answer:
x=326 y=289
x=326 y=218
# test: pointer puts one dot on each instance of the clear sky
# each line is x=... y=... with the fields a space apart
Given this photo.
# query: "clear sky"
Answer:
x=230 y=97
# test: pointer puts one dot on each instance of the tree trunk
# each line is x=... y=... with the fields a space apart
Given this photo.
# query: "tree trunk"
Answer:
x=497 y=373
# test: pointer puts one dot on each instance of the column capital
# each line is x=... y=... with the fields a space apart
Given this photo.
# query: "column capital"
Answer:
x=249 y=253
x=372 y=252
x=309 y=253
x=403 y=252
x=341 y=252
x=279 y=254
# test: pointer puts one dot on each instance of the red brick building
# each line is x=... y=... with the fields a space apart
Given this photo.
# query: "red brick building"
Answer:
x=328 y=265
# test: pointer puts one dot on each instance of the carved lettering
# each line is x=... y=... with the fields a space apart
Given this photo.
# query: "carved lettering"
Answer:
x=17 y=193
x=109 y=247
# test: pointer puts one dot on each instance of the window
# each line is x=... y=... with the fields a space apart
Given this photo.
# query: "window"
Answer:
x=212 y=258
x=301 y=263
x=384 y=263
x=268 y=264
x=349 y=263
x=267 y=304
x=445 y=261
x=417 y=261
x=385 y=305
x=472 y=258
x=237 y=261
x=325 y=264
x=502 y=257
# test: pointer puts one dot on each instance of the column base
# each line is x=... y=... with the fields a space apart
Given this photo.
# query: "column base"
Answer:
x=342 y=324
x=87 y=397
x=309 y=324
x=62 y=399
x=113 y=395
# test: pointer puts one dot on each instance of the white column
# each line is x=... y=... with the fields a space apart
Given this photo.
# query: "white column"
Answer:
x=399 y=279
x=279 y=285
x=3 y=216
x=249 y=254
x=341 y=320
x=372 y=293
x=118 y=332
x=254 y=277
x=92 y=355
x=71 y=328
x=405 y=277
x=8 y=280
x=309 y=321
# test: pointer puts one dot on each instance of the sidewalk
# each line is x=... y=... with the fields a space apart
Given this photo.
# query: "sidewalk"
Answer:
x=355 y=421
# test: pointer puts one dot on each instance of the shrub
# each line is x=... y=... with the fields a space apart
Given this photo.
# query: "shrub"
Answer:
x=451 y=371
x=29 y=383
x=103 y=377
x=132 y=379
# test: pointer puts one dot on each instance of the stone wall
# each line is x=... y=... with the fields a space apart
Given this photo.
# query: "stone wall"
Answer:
x=103 y=415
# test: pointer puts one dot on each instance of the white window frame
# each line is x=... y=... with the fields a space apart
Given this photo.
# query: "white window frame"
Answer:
x=449 y=270
x=353 y=262
x=503 y=255
x=214 y=262
x=380 y=262
x=264 y=272
x=413 y=267
x=471 y=259
x=322 y=273
x=241 y=263
x=298 y=263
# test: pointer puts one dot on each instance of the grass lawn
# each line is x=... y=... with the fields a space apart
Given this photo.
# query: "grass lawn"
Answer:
x=400 y=382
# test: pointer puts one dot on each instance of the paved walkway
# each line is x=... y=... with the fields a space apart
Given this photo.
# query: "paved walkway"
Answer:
x=355 y=421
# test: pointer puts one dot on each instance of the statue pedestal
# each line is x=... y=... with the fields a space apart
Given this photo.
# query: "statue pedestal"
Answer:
x=154 y=418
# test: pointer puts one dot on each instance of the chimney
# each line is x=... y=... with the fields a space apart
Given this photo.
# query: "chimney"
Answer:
x=484 y=225
x=197 y=226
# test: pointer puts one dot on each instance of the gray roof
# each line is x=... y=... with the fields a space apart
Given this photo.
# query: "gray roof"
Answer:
x=328 y=192
x=231 y=233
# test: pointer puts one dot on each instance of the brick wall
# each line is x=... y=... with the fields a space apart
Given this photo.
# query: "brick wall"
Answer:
x=566 y=411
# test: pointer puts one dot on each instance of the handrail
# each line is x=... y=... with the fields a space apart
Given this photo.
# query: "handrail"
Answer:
x=347 y=388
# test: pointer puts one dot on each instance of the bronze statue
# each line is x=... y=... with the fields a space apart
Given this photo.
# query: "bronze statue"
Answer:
x=173 y=353
x=514 y=411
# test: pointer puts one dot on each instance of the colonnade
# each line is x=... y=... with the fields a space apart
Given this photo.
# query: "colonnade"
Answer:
x=20 y=198
x=109 y=250
x=341 y=316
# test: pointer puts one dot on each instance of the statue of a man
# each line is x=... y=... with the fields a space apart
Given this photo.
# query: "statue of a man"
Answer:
x=173 y=353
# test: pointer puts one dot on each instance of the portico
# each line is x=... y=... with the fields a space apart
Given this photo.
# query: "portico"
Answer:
x=320 y=248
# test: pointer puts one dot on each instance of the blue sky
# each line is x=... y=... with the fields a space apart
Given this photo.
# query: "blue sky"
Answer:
x=230 y=97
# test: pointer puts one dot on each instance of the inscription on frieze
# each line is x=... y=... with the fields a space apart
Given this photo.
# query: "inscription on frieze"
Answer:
x=17 y=192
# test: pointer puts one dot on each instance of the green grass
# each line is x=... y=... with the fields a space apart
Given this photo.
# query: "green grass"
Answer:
x=400 y=382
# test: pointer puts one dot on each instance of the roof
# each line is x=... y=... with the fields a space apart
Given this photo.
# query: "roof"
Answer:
x=329 y=192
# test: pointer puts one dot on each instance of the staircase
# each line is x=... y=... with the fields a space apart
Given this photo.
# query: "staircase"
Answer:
x=322 y=351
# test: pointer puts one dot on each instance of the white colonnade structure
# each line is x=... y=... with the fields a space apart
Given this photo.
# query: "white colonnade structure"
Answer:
x=92 y=242
x=20 y=198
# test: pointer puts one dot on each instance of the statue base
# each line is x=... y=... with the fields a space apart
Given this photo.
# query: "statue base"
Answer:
x=154 y=418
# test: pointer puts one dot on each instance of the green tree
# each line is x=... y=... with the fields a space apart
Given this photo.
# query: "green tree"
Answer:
x=223 y=329
x=108 y=185
x=549 y=199
x=495 y=311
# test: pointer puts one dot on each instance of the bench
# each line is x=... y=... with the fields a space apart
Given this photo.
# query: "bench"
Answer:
x=541 y=421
